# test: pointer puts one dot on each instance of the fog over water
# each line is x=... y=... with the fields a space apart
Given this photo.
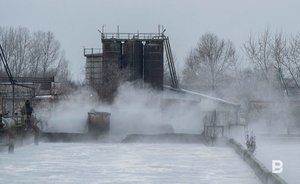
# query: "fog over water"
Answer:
x=270 y=112
x=124 y=163
x=139 y=111
x=134 y=110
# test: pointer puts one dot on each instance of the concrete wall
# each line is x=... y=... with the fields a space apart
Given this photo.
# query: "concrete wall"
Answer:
x=260 y=170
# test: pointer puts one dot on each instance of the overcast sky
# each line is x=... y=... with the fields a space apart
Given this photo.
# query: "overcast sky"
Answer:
x=75 y=22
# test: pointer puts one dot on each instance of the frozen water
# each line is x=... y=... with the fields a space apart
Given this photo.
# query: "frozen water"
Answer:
x=124 y=163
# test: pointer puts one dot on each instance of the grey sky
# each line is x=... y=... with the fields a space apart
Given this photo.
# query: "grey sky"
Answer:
x=75 y=22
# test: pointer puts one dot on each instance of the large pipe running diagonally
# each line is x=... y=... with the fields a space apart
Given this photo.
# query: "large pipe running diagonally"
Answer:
x=10 y=77
x=4 y=61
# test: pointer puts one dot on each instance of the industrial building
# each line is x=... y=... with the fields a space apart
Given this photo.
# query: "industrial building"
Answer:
x=128 y=57
x=139 y=57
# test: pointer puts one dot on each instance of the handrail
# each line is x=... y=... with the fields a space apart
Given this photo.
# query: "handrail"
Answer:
x=91 y=51
x=170 y=61
x=141 y=36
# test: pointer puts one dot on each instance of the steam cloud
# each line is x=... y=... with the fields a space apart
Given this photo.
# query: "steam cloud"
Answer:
x=134 y=110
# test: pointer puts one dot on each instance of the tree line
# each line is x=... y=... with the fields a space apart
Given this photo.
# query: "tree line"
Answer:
x=33 y=54
x=271 y=59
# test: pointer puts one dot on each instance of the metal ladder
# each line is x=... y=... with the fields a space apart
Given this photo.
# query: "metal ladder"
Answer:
x=170 y=61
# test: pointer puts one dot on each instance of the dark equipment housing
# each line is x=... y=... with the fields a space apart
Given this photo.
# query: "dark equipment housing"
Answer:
x=98 y=123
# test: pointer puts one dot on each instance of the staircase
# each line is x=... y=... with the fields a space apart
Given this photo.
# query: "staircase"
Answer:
x=170 y=61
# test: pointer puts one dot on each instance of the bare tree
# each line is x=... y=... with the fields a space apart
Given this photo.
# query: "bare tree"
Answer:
x=280 y=54
x=50 y=51
x=293 y=58
x=259 y=51
x=211 y=59
x=15 y=42
x=33 y=55
x=62 y=70
x=276 y=54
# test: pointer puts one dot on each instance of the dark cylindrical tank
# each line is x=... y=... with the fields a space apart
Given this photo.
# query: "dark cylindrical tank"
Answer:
x=112 y=55
x=153 y=63
x=98 y=122
x=112 y=50
x=133 y=58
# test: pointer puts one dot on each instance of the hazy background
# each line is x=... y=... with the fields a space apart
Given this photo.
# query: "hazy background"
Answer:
x=75 y=22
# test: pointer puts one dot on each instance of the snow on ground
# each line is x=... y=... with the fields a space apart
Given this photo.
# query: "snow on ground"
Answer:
x=124 y=163
x=286 y=149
